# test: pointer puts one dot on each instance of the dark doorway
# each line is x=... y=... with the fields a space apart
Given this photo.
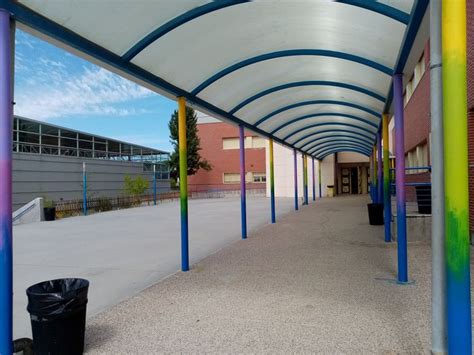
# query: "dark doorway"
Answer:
x=354 y=181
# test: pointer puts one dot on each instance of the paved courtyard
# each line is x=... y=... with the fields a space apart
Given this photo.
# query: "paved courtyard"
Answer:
x=123 y=252
x=320 y=280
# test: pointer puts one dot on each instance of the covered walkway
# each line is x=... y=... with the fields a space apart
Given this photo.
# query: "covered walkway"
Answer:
x=314 y=282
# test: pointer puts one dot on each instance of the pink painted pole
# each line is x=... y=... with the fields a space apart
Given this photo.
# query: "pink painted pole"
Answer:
x=6 y=118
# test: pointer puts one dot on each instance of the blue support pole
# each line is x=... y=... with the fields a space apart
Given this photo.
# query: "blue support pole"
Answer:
x=84 y=189
x=154 y=184
x=6 y=246
x=400 y=179
x=305 y=179
x=314 y=180
x=295 y=177
x=243 y=198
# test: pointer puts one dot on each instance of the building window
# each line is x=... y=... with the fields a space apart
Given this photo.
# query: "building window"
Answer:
x=250 y=142
x=258 y=142
x=416 y=158
x=259 y=177
x=230 y=143
x=415 y=79
x=231 y=178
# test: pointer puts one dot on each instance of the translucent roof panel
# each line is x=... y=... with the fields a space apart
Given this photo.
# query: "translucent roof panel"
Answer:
x=301 y=72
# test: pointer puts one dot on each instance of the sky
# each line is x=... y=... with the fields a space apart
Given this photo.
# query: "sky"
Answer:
x=55 y=86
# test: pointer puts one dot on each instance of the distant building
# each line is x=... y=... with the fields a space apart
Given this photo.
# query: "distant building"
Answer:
x=48 y=162
x=220 y=146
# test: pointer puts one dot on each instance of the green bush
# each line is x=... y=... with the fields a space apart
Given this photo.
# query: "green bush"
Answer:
x=135 y=187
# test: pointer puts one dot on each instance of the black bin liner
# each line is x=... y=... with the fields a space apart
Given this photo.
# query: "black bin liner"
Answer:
x=375 y=213
x=423 y=198
x=58 y=315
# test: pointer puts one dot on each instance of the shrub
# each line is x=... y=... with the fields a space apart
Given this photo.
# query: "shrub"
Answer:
x=137 y=186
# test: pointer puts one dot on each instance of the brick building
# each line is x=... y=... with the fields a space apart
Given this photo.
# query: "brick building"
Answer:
x=417 y=116
x=220 y=146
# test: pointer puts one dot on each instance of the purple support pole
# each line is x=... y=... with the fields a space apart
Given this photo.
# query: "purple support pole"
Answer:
x=295 y=178
x=314 y=180
x=6 y=118
x=379 y=168
x=400 y=178
x=243 y=198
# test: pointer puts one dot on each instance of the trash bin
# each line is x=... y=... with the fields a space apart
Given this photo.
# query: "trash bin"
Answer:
x=58 y=316
x=330 y=190
x=375 y=214
x=423 y=198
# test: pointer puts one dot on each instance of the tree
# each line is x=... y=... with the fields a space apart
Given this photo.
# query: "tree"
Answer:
x=195 y=161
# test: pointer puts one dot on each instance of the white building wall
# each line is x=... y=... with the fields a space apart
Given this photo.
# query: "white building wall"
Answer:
x=283 y=165
x=284 y=179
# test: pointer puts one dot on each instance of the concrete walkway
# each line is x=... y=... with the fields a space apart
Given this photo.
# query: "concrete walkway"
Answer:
x=320 y=280
x=123 y=252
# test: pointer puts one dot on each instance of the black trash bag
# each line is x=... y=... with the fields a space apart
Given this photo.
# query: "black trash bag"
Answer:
x=57 y=298
x=58 y=316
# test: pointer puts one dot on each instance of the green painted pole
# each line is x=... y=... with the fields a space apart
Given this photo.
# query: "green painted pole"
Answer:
x=456 y=176
x=183 y=182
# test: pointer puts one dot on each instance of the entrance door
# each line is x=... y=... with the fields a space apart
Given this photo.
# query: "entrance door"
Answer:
x=354 y=181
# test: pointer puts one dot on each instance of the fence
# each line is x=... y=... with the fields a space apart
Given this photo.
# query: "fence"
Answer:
x=417 y=188
x=103 y=204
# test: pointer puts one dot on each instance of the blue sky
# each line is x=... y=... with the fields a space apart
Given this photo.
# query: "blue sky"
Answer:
x=55 y=86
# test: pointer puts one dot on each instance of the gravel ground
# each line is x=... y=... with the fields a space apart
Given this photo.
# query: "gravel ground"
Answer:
x=318 y=281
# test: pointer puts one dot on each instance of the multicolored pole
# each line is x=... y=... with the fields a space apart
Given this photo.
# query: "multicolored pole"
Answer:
x=183 y=182
x=456 y=176
x=374 y=177
x=319 y=179
x=305 y=179
x=379 y=168
x=295 y=177
x=400 y=178
x=154 y=184
x=272 y=183
x=387 y=208
x=84 y=189
x=6 y=119
x=371 y=185
x=243 y=197
x=314 y=179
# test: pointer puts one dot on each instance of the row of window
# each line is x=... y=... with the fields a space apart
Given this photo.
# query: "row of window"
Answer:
x=234 y=178
x=249 y=142
x=417 y=157
x=34 y=137
x=415 y=79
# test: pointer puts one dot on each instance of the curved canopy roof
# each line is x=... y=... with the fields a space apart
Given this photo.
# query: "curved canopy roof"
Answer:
x=311 y=74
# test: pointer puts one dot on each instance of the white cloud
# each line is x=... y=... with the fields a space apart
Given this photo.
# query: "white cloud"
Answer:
x=53 y=91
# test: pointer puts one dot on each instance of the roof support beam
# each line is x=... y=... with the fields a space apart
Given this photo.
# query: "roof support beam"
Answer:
x=313 y=143
x=333 y=131
x=326 y=114
x=176 y=22
x=342 y=149
x=292 y=53
x=317 y=146
x=344 y=124
x=318 y=102
x=298 y=84
x=339 y=144
x=380 y=8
